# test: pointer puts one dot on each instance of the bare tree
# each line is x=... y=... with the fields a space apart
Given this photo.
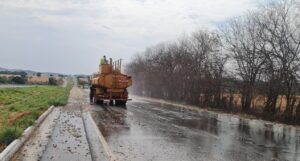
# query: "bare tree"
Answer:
x=281 y=32
x=265 y=46
x=242 y=40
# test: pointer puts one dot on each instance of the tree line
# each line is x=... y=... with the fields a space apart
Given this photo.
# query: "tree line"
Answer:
x=250 y=64
x=19 y=78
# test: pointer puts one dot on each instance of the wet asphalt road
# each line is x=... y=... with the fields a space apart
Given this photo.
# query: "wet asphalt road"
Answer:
x=149 y=131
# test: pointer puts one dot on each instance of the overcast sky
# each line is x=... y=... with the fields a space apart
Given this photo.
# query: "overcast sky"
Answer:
x=70 y=36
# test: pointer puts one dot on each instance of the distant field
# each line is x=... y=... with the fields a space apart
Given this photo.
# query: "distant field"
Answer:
x=31 y=80
x=20 y=107
x=42 y=80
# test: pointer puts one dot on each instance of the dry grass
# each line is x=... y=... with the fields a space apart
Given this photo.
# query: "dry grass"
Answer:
x=259 y=101
x=2 y=147
x=41 y=79
x=38 y=80
x=13 y=117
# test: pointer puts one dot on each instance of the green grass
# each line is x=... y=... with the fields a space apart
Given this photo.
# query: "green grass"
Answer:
x=10 y=134
x=20 y=107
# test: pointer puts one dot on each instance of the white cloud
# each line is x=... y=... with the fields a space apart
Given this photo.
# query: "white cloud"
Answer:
x=81 y=30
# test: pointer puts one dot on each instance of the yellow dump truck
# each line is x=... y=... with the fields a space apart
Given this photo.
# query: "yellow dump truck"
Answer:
x=110 y=84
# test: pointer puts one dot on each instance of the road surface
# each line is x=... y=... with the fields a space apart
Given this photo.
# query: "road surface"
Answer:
x=148 y=130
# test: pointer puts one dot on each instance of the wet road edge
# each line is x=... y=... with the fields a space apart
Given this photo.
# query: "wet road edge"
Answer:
x=94 y=136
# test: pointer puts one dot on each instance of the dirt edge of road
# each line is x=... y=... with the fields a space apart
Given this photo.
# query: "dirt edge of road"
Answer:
x=14 y=146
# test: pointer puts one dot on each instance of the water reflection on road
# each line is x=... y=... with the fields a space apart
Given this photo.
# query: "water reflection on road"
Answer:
x=154 y=131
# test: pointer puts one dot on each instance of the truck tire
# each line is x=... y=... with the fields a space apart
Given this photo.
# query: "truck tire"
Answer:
x=111 y=102
x=92 y=95
x=100 y=102
x=94 y=98
x=120 y=103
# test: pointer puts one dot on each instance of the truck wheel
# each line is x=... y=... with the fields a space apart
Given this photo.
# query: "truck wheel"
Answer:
x=92 y=95
x=91 y=100
x=120 y=103
x=100 y=102
x=94 y=98
x=111 y=102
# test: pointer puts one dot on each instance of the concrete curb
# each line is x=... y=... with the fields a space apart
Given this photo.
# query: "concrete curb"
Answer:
x=14 y=146
x=107 y=149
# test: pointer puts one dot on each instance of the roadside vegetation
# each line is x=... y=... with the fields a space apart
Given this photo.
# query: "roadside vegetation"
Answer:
x=249 y=65
x=16 y=77
x=20 y=107
x=40 y=79
x=7 y=77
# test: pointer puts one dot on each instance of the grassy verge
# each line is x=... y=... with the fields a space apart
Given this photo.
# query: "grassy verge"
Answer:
x=20 y=107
